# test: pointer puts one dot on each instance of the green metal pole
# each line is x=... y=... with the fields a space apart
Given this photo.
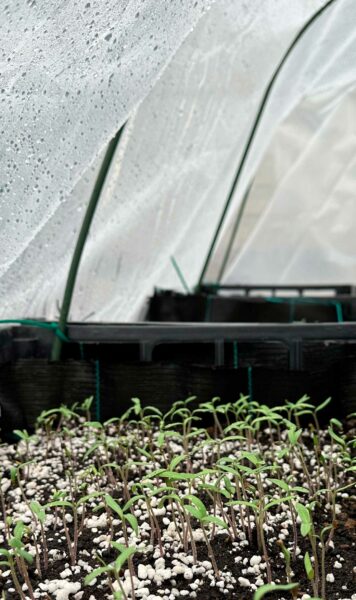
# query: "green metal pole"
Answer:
x=248 y=145
x=82 y=237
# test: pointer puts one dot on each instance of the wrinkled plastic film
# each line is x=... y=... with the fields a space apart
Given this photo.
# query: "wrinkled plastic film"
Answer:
x=323 y=73
x=71 y=73
x=176 y=161
x=305 y=233
x=192 y=127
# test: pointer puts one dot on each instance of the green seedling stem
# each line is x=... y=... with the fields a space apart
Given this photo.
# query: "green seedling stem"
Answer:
x=86 y=407
x=26 y=438
x=8 y=560
x=307 y=529
x=17 y=478
x=125 y=554
x=126 y=517
x=17 y=557
x=240 y=474
x=287 y=559
x=148 y=491
x=293 y=495
x=40 y=517
x=174 y=499
x=61 y=501
x=324 y=544
x=212 y=409
x=197 y=510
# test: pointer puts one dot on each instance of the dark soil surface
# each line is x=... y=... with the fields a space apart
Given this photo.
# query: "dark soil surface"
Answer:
x=66 y=462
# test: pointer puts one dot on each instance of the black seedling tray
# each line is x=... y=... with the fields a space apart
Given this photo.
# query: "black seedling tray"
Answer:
x=241 y=305
x=273 y=290
x=162 y=363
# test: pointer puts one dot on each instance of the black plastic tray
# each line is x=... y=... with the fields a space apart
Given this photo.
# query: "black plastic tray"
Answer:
x=162 y=363
x=241 y=306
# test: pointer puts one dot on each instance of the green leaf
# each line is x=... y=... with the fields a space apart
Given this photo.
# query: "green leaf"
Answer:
x=5 y=563
x=15 y=543
x=168 y=497
x=306 y=411
x=136 y=405
x=26 y=555
x=234 y=438
x=145 y=453
x=154 y=410
x=61 y=503
x=350 y=469
x=114 y=505
x=215 y=520
x=87 y=403
x=93 y=424
x=175 y=462
x=294 y=435
x=215 y=489
x=132 y=521
x=305 y=518
x=335 y=437
x=303 y=512
x=308 y=567
x=193 y=511
x=124 y=557
x=302 y=490
x=19 y=530
x=228 y=469
x=92 y=449
x=119 y=547
x=269 y=588
x=286 y=553
x=282 y=453
x=96 y=573
x=177 y=476
x=337 y=423
x=305 y=529
x=21 y=434
x=281 y=484
x=277 y=501
x=133 y=501
x=323 y=404
x=160 y=439
x=13 y=474
x=39 y=512
x=228 y=485
x=302 y=399
x=156 y=473
x=90 y=496
x=198 y=504
x=111 y=421
x=251 y=457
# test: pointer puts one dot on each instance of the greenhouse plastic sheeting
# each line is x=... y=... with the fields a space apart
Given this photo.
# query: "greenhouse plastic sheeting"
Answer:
x=66 y=96
x=71 y=73
x=306 y=184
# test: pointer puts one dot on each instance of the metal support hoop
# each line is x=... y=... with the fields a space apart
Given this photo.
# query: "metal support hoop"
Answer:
x=246 y=151
x=82 y=237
